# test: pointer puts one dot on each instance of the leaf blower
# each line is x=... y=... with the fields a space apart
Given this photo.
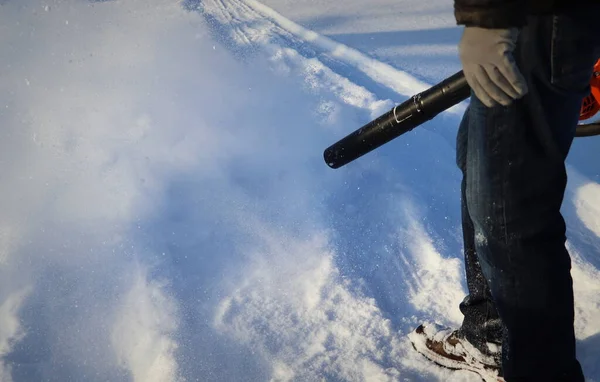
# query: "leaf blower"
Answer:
x=425 y=106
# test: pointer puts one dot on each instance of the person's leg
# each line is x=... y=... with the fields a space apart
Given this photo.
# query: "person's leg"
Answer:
x=453 y=348
x=515 y=182
x=481 y=324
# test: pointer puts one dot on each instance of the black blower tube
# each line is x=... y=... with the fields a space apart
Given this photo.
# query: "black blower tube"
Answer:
x=401 y=119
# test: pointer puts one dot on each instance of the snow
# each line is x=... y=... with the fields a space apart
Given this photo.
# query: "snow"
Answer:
x=167 y=214
x=422 y=35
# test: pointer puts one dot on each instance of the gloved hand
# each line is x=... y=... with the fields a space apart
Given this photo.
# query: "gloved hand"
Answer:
x=489 y=66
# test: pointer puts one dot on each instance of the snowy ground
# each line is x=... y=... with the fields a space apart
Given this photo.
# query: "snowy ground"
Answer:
x=167 y=214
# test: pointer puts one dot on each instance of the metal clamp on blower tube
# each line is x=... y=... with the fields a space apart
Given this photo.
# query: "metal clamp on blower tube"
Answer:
x=401 y=119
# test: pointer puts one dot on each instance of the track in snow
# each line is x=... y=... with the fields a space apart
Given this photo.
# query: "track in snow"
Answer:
x=249 y=24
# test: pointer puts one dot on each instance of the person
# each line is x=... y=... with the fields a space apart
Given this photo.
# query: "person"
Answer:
x=529 y=65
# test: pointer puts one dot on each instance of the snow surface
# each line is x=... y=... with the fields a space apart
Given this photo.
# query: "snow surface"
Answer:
x=167 y=214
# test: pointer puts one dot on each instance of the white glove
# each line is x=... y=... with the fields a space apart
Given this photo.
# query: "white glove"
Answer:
x=489 y=66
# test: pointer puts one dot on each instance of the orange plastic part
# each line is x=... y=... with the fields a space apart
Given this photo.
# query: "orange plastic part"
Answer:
x=591 y=104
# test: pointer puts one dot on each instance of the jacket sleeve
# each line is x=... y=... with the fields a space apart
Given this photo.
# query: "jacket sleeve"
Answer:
x=491 y=13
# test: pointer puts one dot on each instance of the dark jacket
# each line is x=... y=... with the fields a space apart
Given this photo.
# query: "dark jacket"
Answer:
x=507 y=13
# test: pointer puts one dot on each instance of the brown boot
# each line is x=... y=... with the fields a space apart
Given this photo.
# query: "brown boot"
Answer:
x=446 y=348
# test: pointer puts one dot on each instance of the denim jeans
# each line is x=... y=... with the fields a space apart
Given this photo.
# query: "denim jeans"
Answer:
x=514 y=177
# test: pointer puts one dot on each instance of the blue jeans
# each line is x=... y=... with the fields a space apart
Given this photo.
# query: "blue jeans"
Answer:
x=514 y=177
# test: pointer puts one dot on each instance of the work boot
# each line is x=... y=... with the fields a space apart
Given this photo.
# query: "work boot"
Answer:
x=447 y=348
